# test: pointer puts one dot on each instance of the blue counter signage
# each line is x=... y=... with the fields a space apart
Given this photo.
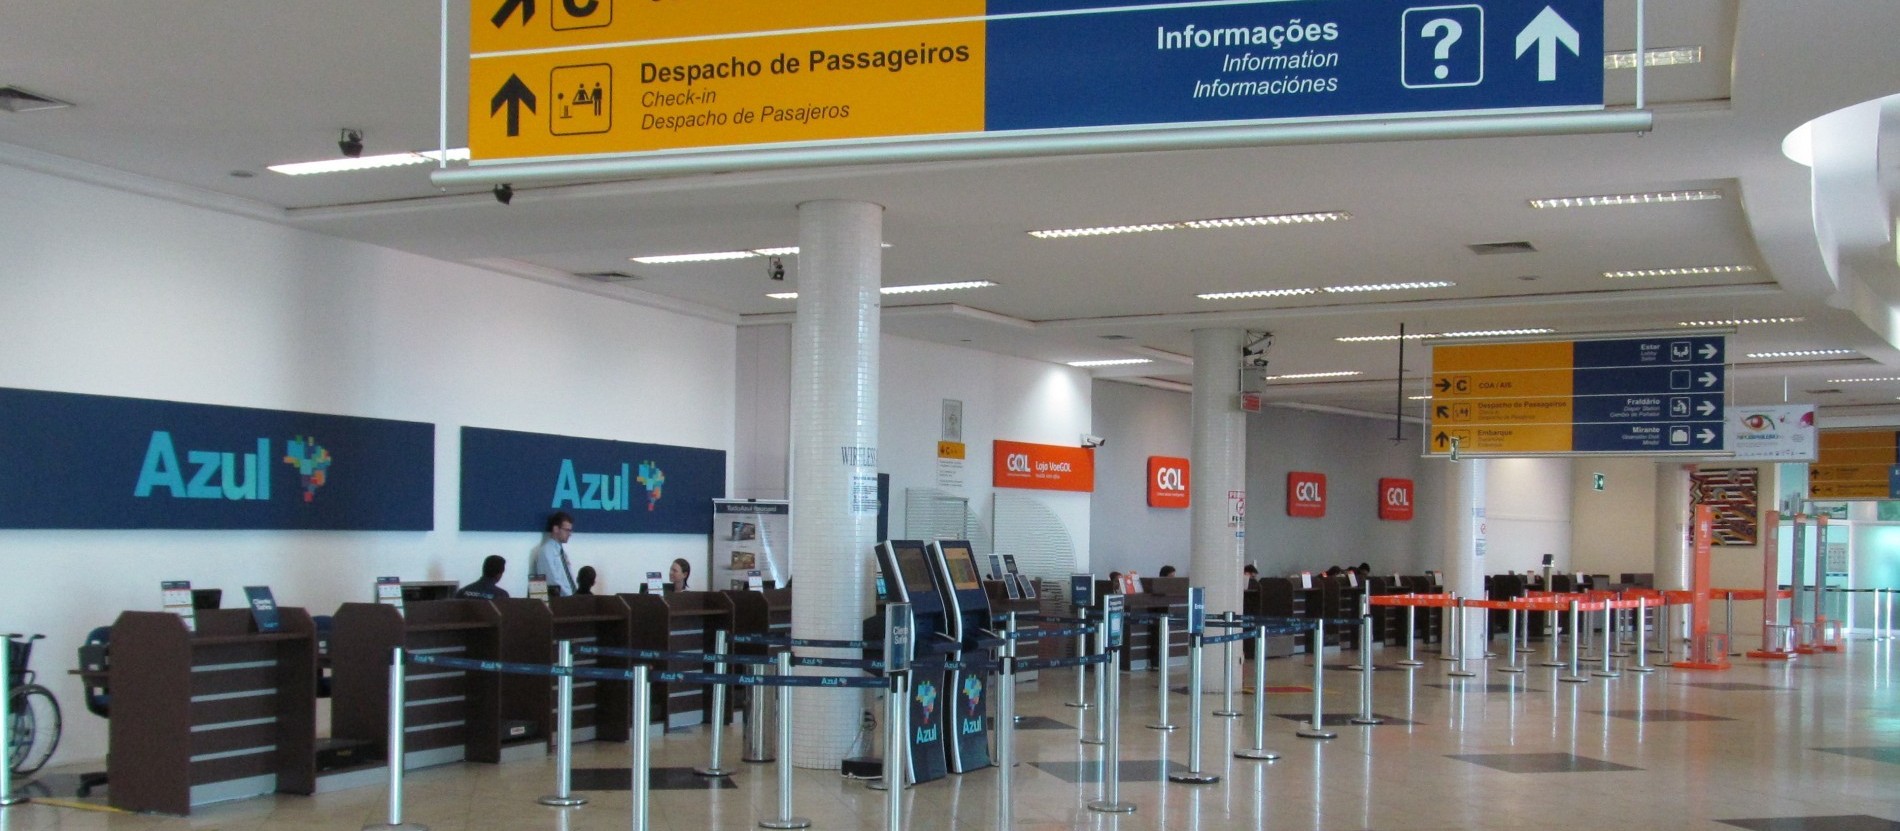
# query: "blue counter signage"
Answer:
x=1112 y=618
x=1096 y=63
x=1081 y=590
x=1197 y=610
x=512 y=481
x=92 y=461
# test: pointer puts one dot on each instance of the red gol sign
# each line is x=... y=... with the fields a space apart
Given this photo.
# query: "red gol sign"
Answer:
x=1305 y=494
x=1167 y=482
x=1395 y=499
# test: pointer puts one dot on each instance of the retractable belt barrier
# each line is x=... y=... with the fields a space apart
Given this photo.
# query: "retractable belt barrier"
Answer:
x=1039 y=634
x=662 y=655
x=782 y=640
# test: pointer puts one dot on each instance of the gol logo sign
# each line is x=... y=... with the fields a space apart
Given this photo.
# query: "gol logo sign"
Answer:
x=1043 y=467
x=1305 y=494
x=1395 y=499
x=1167 y=482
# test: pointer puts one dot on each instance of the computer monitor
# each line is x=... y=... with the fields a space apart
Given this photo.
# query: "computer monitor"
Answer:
x=963 y=574
x=421 y=590
x=202 y=599
x=914 y=566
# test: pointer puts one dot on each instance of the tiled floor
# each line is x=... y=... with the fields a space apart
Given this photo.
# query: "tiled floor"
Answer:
x=1814 y=748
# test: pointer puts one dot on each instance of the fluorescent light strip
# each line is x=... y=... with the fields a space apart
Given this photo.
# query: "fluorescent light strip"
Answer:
x=1434 y=284
x=1418 y=398
x=368 y=162
x=1686 y=271
x=1302 y=375
x=786 y=251
x=1804 y=353
x=1660 y=56
x=1248 y=295
x=1197 y=224
x=1742 y=321
x=709 y=257
x=1114 y=362
x=1861 y=380
x=922 y=287
x=1485 y=333
x=1658 y=198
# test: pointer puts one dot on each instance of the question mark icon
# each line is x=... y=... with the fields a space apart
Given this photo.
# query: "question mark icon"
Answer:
x=1448 y=31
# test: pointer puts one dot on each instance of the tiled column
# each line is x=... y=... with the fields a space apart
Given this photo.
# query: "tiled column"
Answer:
x=1672 y=525
x=1463 y=545
x=1218 y=466
x=834 y=454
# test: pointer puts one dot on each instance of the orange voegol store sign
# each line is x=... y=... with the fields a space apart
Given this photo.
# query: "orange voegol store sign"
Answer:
x=1044 y=467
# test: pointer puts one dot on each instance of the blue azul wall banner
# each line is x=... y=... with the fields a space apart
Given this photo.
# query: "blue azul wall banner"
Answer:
x=512 y=481
x=93 y=461
x=1094 y=63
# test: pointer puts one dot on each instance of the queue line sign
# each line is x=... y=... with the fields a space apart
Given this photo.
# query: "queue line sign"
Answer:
x=595 y=78
x=1662 y=395
x=1856 y=464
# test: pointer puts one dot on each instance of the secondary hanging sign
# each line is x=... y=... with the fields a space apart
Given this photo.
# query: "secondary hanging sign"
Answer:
x=576 y=78
x=1662 y=395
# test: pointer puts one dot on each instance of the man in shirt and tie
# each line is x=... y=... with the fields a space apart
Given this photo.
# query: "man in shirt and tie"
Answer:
x=550 y=558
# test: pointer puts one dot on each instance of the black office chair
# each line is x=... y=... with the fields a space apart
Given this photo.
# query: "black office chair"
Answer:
x=95 y=658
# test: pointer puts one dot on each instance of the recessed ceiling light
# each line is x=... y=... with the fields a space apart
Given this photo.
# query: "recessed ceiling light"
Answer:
x=1860 y=380
x=1660 y=56
x=1114 y=362
x=1434 y=284
x=1481 y=333
x=1248 y=295
x=1657 y=198
x=1742 y=321
x=923 y=287
x=708 y=257
x=1198 y=224
x=1418 y=398
x=786 y=251
x=1685 y=271
x=1303 y=375
x=368 y=162
x=1804 y=353
x=1387 y=338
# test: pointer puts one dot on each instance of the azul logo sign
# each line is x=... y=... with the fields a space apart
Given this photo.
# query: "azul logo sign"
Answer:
x=1395 y=499
x=926 y=700
x=227 y=474
x=1305 y=494
x=606 y=491
x=1167 y=482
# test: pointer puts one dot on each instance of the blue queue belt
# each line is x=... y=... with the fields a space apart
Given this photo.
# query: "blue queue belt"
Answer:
x=972 y=666
x=813 y=643
x=1038 y=634
x=660 y=655
x=1025 y=665
x=1230 y=637
x=837 y=663
x=604 y=674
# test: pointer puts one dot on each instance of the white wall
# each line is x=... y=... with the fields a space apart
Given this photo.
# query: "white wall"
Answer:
x=116 y=294
x=1138 y=422
x=1527 y=513
x=1613 y=530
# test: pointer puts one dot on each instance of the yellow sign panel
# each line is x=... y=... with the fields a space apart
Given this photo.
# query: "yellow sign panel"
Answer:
x=950 y=450
x=1508 y=384
x=1528 y=438
x=508 y=25
x=816 y=86
x=1492 y=357
x=1545 y=410
x=1854 y=464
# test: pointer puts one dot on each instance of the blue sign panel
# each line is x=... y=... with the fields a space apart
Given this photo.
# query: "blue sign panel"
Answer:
x=1130 y=62
x=1649 y=395
x=512 y=481
x=1197 y=610
x=94 y=461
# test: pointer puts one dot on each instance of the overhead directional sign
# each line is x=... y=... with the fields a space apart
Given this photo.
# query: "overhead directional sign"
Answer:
x=1634 y=396
x=1856 y=464
x=574 y=78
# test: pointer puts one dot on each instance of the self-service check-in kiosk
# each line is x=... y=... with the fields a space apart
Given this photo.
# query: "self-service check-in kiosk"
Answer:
x=966 y=616
x=907 y=576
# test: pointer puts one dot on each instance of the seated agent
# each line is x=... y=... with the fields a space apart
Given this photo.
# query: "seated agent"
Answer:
x=678 y=574
x=584 y=581
x=1166 y=571
x=487 y=588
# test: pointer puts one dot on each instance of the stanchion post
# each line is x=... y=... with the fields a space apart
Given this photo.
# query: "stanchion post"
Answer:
x=1458 y=639
x=1575 y=676
x=1259 y=750
x=1081 y=701
x=718 y=734
x=1365 y=716
x=1316 y=729
x=398 y=704
x=563 y=796
x=1642 y=636
x=1227 y=669
x=1006 y=729
x=1411 y=638
x=1609 y=644
x=785 y=818
x=1524 y=630
x=1103 y=672
x=1556 y=640
x=1111 y=801
x=1882 y=597
x=640 y=756
x=7 y=796
x=755 y=734
x=1161 y=674
x=895 y=731
x=1197 y=632
x=1510 y=632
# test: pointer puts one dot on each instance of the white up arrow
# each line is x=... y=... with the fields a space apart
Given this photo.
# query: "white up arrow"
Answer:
x=1706 y=408
x=1708 y=379
x=1707 y=436
x=1545 y=31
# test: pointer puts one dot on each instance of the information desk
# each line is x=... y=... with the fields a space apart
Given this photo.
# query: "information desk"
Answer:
x=222 y=713
x=601 y=708
x=451 y=715
x=680 y=622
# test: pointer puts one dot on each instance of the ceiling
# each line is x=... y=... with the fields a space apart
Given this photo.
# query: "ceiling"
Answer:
x=191 y=100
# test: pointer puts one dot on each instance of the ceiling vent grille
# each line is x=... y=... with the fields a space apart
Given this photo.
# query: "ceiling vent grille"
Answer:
x=16 y=100
x=1835 y=391
x=610 y=276
x=1483 y=249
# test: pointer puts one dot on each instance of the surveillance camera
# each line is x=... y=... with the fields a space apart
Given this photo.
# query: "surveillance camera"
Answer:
x=1254 y=361
x=775 y=268
x=351 y=143
x=1089 y=440
x=504 y=193
x=1258 y=343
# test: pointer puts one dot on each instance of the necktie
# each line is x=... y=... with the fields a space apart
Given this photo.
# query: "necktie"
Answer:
x=567 y=570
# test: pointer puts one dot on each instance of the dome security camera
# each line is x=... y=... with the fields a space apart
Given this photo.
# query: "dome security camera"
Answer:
x=351 y=143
